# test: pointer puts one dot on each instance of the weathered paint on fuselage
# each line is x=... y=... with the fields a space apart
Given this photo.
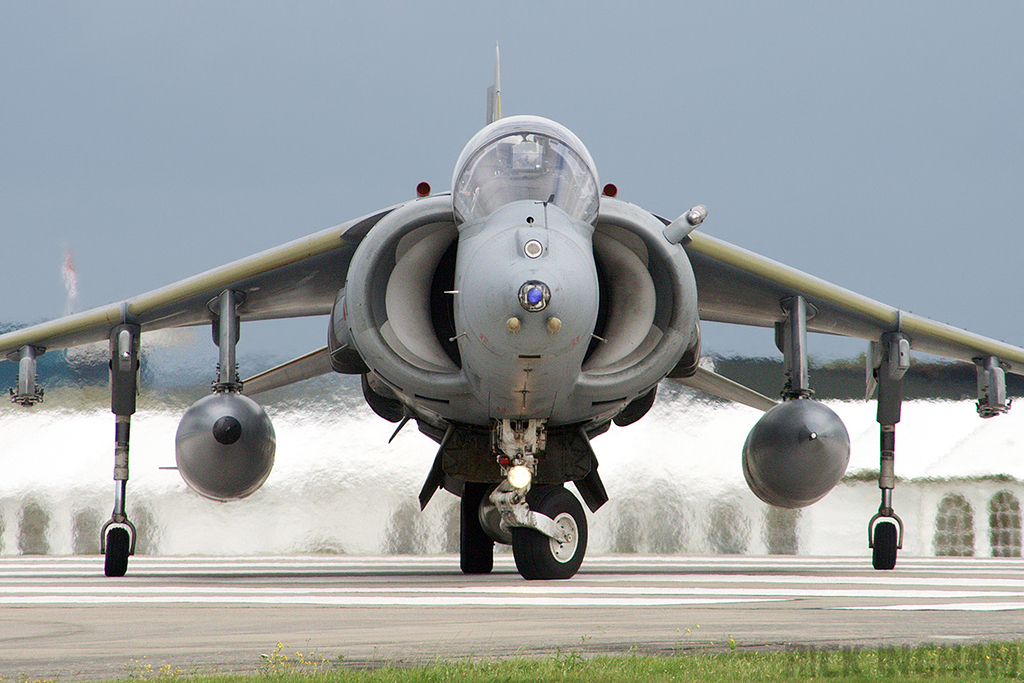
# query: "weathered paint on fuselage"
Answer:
x=522 y=363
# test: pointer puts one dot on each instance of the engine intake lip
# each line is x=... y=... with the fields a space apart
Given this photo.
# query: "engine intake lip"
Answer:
x=371 y=273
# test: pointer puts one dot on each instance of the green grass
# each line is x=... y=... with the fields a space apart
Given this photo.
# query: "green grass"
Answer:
x=986 y=662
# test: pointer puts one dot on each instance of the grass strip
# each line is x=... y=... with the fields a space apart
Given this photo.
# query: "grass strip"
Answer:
x=938 y=663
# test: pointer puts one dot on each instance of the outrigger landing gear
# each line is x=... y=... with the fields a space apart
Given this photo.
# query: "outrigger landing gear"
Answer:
x=117 y=538
x=885 y=530
x=885 y=537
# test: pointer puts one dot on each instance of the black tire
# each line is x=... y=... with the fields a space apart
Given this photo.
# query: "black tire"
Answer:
x=118 y=545
x=540 y=557
x=476 y=548
x=883 y=554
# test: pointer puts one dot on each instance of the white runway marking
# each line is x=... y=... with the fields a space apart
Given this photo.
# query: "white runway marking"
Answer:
x=918 y=584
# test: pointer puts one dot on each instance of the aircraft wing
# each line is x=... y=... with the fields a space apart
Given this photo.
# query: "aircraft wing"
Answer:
x=301 y=278
x=739 y=286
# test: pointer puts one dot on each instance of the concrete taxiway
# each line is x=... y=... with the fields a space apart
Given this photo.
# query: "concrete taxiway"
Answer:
x=61 y=617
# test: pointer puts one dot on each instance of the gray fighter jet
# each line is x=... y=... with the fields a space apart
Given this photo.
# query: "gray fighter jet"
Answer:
x=514 y=319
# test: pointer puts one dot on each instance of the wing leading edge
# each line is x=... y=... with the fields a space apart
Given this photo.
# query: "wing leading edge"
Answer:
x=300 y=278
x=741 y=287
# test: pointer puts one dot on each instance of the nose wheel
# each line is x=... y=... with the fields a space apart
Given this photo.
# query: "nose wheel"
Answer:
x=539 y=556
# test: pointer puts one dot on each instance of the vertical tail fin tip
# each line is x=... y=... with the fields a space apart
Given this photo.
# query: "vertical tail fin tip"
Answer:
x=494 y=92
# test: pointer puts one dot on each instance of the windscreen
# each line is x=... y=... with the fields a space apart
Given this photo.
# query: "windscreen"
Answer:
x=525 y=157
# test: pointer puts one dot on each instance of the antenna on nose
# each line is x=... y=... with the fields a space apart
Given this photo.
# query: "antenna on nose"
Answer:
x=494 y=92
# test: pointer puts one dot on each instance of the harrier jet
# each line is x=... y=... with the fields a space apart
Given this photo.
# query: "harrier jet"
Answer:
x=514 y=319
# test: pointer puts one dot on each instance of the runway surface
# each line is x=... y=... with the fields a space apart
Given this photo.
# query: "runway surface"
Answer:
x=61 y=617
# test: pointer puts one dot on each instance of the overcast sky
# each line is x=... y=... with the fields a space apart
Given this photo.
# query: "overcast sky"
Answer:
x=878 y=145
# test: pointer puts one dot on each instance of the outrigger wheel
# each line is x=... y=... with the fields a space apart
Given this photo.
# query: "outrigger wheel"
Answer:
x=883 y=547
x=541 y=557
x=118 y=547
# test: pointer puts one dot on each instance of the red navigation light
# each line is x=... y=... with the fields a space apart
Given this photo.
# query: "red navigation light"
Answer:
x=423 y=189
x=610 y=190
x=504 y=460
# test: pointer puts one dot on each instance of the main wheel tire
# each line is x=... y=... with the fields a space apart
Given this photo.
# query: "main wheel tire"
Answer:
x=541 y=557
x=118 y=545
x=476 y=548
x=883 y=554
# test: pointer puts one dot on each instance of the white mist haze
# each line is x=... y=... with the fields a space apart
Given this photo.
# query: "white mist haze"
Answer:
x=675 y=479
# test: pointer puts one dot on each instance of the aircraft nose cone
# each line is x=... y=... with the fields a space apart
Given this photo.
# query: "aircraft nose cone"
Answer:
x=534 y=296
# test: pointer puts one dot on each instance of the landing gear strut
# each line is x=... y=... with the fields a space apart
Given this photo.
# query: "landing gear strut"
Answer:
x=117 y=538
x=544 y=523
x=889 y=362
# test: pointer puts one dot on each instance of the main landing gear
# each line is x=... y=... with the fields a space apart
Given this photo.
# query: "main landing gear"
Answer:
x=476 y=547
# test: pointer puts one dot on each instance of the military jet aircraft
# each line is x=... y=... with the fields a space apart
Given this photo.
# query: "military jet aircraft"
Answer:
x=514 y=319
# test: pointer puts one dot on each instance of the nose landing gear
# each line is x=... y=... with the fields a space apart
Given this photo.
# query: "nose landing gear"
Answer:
x=539 y=556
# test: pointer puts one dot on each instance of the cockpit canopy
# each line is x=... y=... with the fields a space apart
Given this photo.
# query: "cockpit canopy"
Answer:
x=525 y=157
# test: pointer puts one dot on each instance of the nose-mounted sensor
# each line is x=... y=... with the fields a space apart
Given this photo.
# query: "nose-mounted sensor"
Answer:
x=534 y=296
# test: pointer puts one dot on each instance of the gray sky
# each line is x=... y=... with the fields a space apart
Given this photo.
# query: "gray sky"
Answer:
x=878 y=145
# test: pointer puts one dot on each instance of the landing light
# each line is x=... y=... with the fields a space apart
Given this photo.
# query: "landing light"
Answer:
x=534 y=296
x=519 y=477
